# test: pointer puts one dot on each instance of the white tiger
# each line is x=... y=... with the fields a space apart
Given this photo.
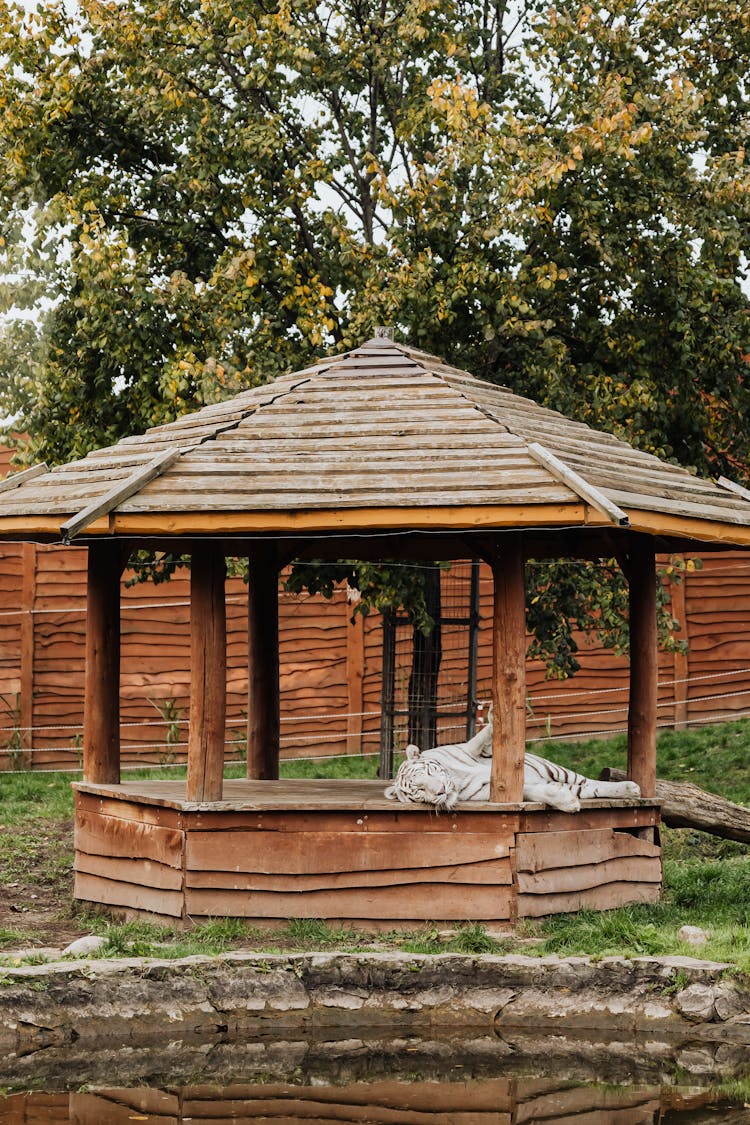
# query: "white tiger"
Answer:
x=445 y=775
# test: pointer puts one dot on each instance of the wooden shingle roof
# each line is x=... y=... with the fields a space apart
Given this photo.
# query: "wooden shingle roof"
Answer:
x=382 y=437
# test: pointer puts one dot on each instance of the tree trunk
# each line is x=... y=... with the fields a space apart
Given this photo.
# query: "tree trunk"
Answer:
x=684 y=805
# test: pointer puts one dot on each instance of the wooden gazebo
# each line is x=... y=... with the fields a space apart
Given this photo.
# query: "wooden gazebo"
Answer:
x=383 y=452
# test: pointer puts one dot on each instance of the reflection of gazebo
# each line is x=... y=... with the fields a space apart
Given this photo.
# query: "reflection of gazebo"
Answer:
x=383 y=452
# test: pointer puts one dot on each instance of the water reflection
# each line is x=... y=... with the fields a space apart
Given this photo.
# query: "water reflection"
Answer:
x=473 y=1102
x=488 y=1080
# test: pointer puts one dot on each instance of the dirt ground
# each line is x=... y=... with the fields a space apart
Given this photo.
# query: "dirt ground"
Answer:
x=36 y=887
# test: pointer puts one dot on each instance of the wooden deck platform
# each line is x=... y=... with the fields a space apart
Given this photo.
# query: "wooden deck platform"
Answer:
x=274 y=850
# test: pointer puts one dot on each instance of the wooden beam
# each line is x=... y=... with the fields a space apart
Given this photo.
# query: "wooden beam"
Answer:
x=640 y=571
x=263 y=705
x=123 y=490
x=101 y=721
x=565 y=475
x=355 y=672
x=731 y=532
x=508 y=670
x=439 y=517
x=678 y=532
x=732 y=486
x=40 y=527
x=208 y=673
x=15 y=480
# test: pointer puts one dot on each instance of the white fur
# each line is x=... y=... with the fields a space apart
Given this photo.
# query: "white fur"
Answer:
x=445 y=775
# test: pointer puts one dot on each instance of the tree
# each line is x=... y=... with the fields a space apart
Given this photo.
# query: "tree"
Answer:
x=200 y=194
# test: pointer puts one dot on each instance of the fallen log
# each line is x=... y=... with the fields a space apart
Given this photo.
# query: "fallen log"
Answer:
x=684 y=805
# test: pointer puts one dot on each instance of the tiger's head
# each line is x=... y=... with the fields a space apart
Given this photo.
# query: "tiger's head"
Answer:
x=424 y=781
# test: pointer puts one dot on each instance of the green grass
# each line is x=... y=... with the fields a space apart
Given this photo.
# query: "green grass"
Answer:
x=707 y=879
x=144 y=939
x=42 y=796
x=352 y=766
x=218 y=935
x=10 y=938
x=469 y=938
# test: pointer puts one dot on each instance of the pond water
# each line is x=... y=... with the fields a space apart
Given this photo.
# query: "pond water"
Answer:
x=488 y=1080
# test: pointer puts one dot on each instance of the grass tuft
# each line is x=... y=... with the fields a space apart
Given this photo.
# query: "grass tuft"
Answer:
x=470 y=938
x=10 y=939
x=132 y=939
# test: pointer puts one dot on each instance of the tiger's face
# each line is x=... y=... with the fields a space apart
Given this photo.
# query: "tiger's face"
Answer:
x=423 y=781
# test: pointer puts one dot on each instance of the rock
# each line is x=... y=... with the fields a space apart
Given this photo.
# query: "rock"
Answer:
x=693 y=935
x=697 y=1061
x=83 y=946
x=130 y=1000
x=731 y=1004
x=697 y=1002
x=340 y=998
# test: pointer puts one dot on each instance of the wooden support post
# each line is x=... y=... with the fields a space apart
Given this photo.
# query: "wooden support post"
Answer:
x=508 y=670
x=355 y=673
x=263 y=705
x=642 y=709
x=208 y=675
x=26 y=686
x=101 y=708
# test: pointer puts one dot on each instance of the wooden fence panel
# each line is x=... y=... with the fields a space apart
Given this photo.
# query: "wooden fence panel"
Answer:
x=717 y=599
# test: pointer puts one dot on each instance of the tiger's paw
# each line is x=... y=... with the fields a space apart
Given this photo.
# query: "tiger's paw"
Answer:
x=562 y=798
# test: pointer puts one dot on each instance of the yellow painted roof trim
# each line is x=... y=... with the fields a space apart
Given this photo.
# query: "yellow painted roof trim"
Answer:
x=444 y=518
x=685 y=527
x=44 y=525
